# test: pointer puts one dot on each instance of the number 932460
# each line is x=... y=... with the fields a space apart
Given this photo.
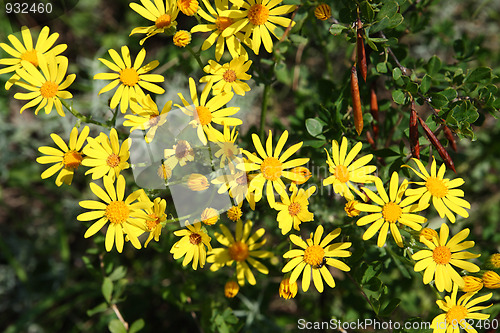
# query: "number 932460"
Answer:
x=28 y=8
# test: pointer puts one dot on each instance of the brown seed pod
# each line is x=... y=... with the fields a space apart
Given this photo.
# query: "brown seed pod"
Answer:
x=449 y=136
x=356 y=101
x=435 y=142
x=414 y=144
x=370 y=140
x=360 y=47
x=374 y=110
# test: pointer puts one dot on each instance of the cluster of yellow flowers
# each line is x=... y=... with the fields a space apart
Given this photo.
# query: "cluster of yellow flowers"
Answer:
x=235 y=25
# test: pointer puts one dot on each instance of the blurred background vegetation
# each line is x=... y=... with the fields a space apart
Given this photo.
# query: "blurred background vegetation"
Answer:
x=51 y=277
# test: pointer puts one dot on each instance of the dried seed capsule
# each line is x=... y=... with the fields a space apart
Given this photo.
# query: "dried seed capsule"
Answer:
x=435 y=142
x=360 y=47
x=449 y=136
x=414 y=144
x=356 y=101
x=374 y=111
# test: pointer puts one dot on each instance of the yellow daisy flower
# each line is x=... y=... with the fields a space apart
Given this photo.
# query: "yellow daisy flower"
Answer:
x=314 y=257
x=350 y=208
x=163 y=14
x=157 y=217
x=226 y=78
x=272 y=166
x=192 y=246
x=180 y=153
x=257 y=18
x=494 y=260
x=182 y=38
x=209 y=216
x=293 y=210
x=27 y=52
x=443 y=192
x=121 y=215
x=472 y=284
x=131 y=79
x=345 y=172
x=197 y=182
x=389 y=211
x=66 y=159
x=205 y=112
x=491 y=280
x=229 y=151
x=105 y=156
x=288 y=290
x=218 y=23
x=147 y=117
x=242 y=248
x=234 y=213
x=442 y=255
x=459 y=314
x=188 y=7
x=46 y=87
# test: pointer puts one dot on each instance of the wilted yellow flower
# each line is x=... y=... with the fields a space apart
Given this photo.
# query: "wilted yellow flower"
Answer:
x=495 y=260
x=234 y=213
x=350 y=208
x=428 y=233
x=164 y=171
x=472 y=284
x=303 y=172
x=323 y=12
x=209 y=216
x=231 y=289
x=188 y=7
x=491 y=280
x=288 y=290
x=197 y=182
x=180 y=153
x=182 y=38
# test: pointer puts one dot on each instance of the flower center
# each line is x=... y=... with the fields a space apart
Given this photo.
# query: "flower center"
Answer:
x=441 y=255
x=234 y=213
x=314 y=255
x=391 y=212
x=182 y=149
x=72 y=159
x=152 y=224
x=258 y=14
x=223 y=22
x=163 y=21
x=49 y=89
x=456 y=314
x=238 y=251
x=342 y=173
x=271 y=168
x=31 y=57
x=113 y=160
x=129 y=77
x=203 y=115
x=437 y=187
x=195 y=238
x=294 y=208
x=229 y=76
x=117 y=212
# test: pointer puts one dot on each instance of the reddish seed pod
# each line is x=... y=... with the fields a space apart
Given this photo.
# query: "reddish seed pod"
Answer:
x=374 y=110
x=360 y=47
x=370 y=140
x=435 y=142
x=414 y=144
x=356 y=101
x=449 y=136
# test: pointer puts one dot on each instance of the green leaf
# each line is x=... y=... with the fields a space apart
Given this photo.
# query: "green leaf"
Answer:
x=433 y=65
x=396 y=73
x=336 y=29
x=107 y=289
x=398 y=96
x=367 y=11
x=100 y=308
x=389 y=9
x=390 y=307
x=425 y=84
x=450 y=94
x=374 y=284
x=136 y=326
x=438 y=100
x=118 y=273
x=298 y=39
x=314 y=127
x=115 y=326
x=465 y=112
x=478 y=74
x=382 y=67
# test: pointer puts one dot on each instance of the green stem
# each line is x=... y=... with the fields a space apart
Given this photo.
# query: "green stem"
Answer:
x=195 y=55
x=265 y=100
x=83 y=118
